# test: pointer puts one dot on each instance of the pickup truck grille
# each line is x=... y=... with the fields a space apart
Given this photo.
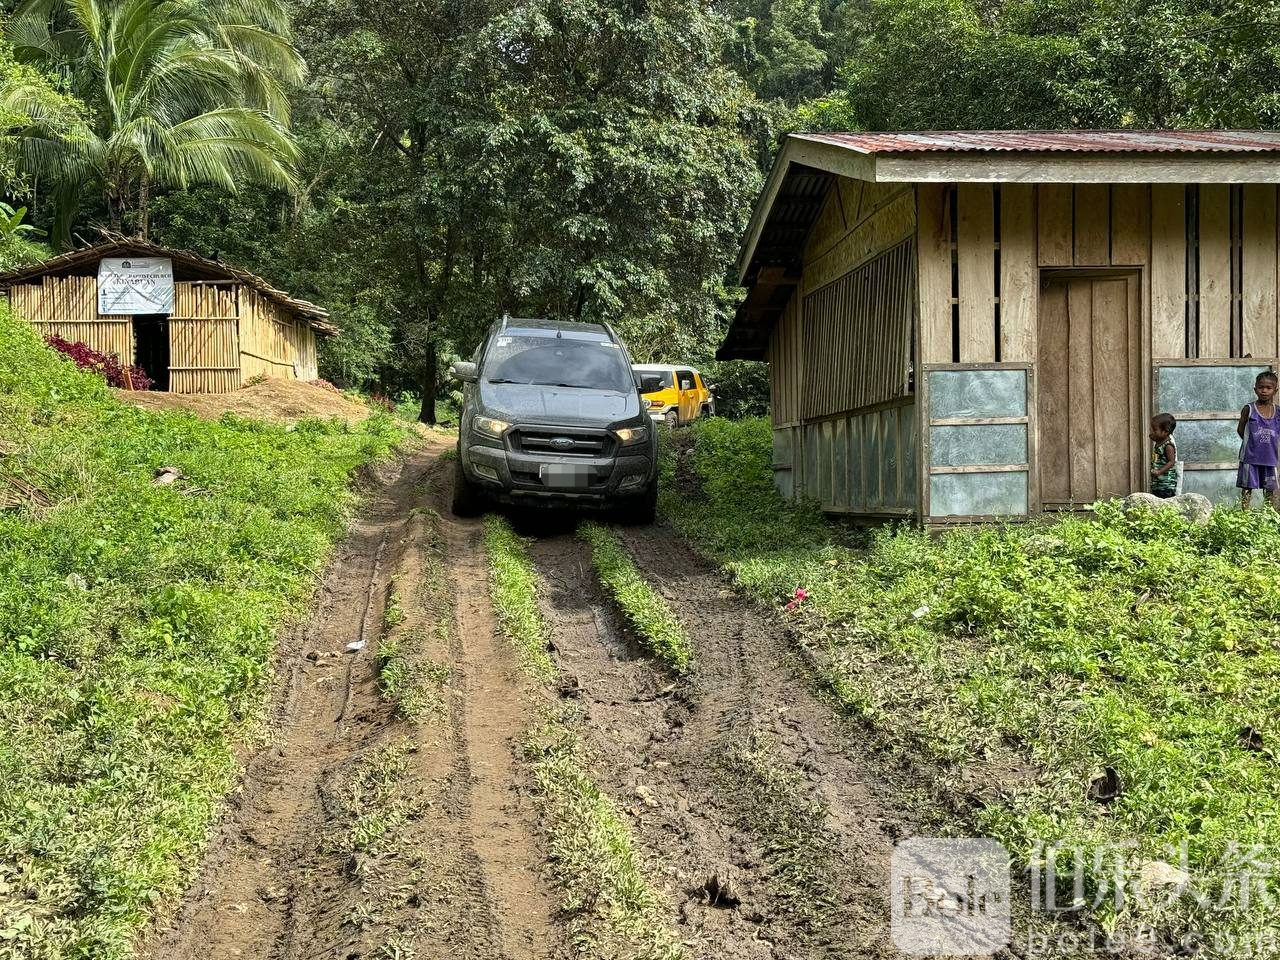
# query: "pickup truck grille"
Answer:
x=562 y=443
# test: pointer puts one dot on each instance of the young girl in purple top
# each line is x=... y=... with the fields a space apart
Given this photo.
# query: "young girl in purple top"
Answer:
x=1259 y=428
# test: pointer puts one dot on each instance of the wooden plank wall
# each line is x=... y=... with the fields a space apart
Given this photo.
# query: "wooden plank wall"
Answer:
x=975 y=312
x=859 y=222
x=862 y=325
x=272 y=343
x=786 y=371
x=67 y=307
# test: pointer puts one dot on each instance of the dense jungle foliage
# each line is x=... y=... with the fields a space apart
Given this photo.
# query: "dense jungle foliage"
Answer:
x=424 y=169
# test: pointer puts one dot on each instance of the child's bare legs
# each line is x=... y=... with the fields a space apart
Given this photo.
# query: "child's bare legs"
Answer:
x=1273 y=498
x=1246 y=498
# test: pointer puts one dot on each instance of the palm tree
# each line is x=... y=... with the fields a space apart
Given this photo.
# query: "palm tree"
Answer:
x=179 y=92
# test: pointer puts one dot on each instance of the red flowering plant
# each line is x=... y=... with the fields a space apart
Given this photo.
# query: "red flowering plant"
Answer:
x=801 y=595
x=106 y=365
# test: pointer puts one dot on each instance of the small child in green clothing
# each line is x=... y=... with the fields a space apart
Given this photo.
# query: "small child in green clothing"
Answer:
x=1164 y=456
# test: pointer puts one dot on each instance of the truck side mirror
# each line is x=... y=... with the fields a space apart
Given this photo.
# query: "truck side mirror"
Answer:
x=464 y=372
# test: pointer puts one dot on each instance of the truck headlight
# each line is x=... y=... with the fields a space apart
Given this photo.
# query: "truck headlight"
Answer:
x=490 y=427
x=629 y=435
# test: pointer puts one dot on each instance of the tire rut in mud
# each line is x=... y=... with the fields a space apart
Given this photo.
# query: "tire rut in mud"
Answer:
x=359 y=833
x=741 y=784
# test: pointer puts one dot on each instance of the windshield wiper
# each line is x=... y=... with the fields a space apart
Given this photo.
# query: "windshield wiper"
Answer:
x=524 y=383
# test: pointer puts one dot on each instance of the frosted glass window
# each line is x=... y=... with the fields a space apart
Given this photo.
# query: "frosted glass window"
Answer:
x=910 y=460
x=1184 y=389
x=840 y=465
x=890 y=461
x=978 y=446
x=974 y=394
x=782 y=448
x=978 y=495
x=1207 y=441
x=1218 y=485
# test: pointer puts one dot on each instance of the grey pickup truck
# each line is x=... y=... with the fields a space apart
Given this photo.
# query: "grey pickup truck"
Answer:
x=552 y=415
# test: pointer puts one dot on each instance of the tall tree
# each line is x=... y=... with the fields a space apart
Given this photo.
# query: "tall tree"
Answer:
x=180 y=92
x=1062 y=63
x=581 y=159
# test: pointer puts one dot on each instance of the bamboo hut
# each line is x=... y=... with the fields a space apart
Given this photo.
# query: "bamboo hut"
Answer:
x=225 y=326
x=978 y=325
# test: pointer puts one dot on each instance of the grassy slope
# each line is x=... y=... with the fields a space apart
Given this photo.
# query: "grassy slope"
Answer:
x=1146 y=645
x=136 y=629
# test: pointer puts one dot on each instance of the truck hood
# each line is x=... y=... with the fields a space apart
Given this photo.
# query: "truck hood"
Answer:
x=559 y=406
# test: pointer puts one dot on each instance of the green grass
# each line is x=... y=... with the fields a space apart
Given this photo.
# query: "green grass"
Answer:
x=513 y=587
x=772 y=801
x=414 y=683
x=1044 y=652
x=613 y=911
x=646 y=611
x=380 y=797
x=137 y=625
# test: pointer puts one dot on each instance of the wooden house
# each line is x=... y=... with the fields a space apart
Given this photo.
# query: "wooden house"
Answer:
x=977 y=325
x=218 y=326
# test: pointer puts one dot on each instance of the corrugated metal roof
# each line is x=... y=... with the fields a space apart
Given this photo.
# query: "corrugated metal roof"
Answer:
x=1057 y=141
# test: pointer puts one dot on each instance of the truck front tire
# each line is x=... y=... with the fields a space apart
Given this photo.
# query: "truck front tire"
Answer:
x=640 y=511
x=467 y=500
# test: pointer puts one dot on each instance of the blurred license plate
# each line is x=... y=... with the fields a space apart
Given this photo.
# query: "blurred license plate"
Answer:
x=568 y=476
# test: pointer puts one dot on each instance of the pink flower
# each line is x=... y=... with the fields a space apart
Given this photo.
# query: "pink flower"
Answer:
x=802 y=594
x=792 y=606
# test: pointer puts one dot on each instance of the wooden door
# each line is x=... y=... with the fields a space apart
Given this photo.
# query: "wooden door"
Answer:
x=1091 y=441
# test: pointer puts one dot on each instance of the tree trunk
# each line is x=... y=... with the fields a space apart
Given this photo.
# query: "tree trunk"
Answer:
x=428 y=413
x=115 y=211
x=144 y=206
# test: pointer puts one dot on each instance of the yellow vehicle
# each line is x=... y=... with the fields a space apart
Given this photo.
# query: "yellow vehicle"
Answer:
x=684 y=396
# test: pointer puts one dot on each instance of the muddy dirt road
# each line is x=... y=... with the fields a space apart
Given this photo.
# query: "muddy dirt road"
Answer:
x=375 y=827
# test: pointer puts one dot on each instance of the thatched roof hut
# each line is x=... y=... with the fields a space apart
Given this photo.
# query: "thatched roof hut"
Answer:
x=195 y=325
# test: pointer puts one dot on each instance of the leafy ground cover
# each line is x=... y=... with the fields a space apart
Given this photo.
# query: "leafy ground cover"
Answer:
x=612 y=909
x=646 y=611
x=137 y=623
x=513 y=587
x=1024 y=662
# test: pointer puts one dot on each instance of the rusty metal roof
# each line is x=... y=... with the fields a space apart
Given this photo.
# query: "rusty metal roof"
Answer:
x=1056 y=141
x=116 y=245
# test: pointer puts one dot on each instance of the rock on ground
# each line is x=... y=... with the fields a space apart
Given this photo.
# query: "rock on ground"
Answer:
x=1194 y=507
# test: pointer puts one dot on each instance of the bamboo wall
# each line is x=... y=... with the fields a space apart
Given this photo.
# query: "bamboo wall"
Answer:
x=857 y=299
x=272 y=343
x=864 y=324
x=786 y=367
x=841 y=357
x=220 y=334
x=1207 y=255
x=67 y=307
x=204 y=344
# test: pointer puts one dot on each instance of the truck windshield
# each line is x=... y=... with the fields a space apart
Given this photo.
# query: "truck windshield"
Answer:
x=555 y=362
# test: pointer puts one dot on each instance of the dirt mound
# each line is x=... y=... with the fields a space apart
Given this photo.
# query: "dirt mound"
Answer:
x=280 y=400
